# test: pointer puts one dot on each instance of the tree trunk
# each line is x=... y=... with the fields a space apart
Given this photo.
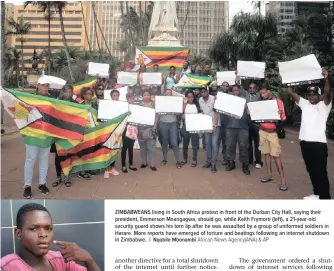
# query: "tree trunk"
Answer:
x=133 y=45
x=22 y=60
x=3 y=50
x=95 y=28
x=60 y=10
x=48 y=62
x=83 y=18
x=103 y=37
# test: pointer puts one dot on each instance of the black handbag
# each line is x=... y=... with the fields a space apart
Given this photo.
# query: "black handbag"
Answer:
x=280 y=130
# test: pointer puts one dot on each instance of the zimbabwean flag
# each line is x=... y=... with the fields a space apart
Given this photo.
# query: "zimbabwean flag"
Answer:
x=193 y=81
x=97 y=150
x=163 y=56
x=42 y=120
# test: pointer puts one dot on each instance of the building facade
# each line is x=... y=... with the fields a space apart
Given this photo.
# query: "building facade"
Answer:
x=285 y=11
x=108 y=14
x=200 y=21
x=38 y=36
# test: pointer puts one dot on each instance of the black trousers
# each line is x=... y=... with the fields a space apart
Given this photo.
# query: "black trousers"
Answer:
x=254 y=137
x=315 y=156
x=57 y=164
x=127 y=146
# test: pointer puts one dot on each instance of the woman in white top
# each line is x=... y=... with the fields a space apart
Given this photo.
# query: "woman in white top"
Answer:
x=190 y=106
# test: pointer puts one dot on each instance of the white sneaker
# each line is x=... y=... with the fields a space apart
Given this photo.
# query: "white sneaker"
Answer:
x=258 y=166
x=312 y=197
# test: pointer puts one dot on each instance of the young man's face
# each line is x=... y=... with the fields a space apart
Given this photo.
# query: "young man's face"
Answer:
x=43 y=89
x=100 y=91
x=137 y=90
x=235 y=91
x=36 y=235
x=313 y=97
x=67 y=94
x=265 y=93
x=252 y=88
x=155 y=68
x=193 y=68
x=207 y=68
x=204 y=93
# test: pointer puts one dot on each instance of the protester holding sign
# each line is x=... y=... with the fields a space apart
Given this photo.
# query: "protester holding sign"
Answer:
x=237 y=132
x=206 y=103
x=191 y=106
x=129 y=137
x=168 y=130
x=114 y=94
x=138 y=96
x=142 y=69
x=147 y=136
x=33 y=153
x=312 y=136
x=269 y=142
x=172 y=78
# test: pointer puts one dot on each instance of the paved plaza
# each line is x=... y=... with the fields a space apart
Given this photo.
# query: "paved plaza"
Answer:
x=166 y=183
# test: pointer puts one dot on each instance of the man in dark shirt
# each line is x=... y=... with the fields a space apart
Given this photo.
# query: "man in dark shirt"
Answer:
x=193 y=70
x=207 y=71
x=237 y=131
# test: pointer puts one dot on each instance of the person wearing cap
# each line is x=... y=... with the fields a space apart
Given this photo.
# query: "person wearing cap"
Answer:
x=206 y=103
x=269 y=142
x=33 y=153
x=312 y=136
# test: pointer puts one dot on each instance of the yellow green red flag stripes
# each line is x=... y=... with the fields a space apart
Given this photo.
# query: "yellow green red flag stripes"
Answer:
x=193 y=81
x=78 y=86
x=42 y=120
x=95 y=151
x=163 y=56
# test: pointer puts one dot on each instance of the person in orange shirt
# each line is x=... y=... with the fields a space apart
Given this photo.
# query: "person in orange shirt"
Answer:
x=269 y=142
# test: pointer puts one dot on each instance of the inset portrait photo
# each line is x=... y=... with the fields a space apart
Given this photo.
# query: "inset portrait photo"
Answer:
x=53 y=235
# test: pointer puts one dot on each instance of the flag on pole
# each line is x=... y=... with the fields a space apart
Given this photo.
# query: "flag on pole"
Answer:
x=163 y=56
x=42 y=120
x=193 y=81
x=98 y=149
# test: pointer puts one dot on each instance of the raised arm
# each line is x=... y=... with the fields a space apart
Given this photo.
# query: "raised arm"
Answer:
x=327 y=88
x=291 y=92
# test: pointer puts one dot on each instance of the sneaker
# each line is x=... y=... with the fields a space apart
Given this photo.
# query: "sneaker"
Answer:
x=27 y=192
x=84 y=175
x=44 y=190
x=114 y=172
x=258 y=166
x=164 y=162
x=106 y=175
x=143 y=166
x=312 y=197
x=153 y=168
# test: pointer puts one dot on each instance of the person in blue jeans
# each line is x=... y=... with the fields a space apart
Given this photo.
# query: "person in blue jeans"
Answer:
x=206 y=103
x=168 y=132
x=34 y=153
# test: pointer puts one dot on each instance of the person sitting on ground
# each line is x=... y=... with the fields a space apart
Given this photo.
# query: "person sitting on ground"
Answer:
x=312 y=136
x=33 y=153
x=269 y=142
x=35 y=232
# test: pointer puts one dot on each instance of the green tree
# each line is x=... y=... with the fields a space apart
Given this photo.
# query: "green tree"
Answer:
x=12 y=58
x=19 y=28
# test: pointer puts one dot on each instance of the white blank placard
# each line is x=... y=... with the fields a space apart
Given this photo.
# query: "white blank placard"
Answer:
x=264 y=110
x=251 y=69
x=109 y=109
x=141 y=115
x=122 y=94
x=302 y=69
x=55 y=82
x=101 y=69
x=198 y=123
x=127 y=78
x=152 y=78
x=169 y=104
x=227 y=76
x=230 y=105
